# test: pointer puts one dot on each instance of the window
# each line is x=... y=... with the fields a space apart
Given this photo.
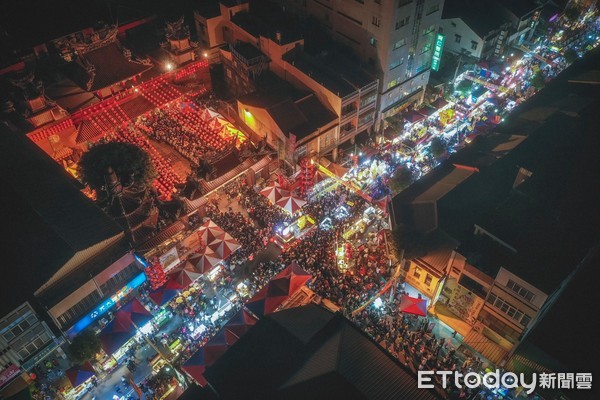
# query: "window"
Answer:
x=433 y=8
x=473 y=45
x=373 y=41
x=402 y=22
x=521 y=291
x=396 y=63
x=427 y=31
x=392 y=84
x=512 y=312
x=428 y=280
x=453 y=24
x=457 y=38
x=376 y=21
x=417 y=273
x=440 y=30
x=403 y=3
x=426 y=48
x=399 y=43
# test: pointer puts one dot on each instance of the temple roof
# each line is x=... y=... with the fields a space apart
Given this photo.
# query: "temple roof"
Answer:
x=111 y=67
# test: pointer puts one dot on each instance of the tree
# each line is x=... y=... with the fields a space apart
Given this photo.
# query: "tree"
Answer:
x=570 y=56
x=538 y=80
x=84 y=347
x=131 y=164
x=437 y=147
x=401 y=179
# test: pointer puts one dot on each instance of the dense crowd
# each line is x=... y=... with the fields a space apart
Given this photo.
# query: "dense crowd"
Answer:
x=185 y=131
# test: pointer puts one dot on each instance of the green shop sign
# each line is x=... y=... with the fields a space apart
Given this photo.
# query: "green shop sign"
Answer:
x=437 y=52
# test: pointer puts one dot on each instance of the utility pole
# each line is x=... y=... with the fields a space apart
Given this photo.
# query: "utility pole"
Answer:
x=462 y=53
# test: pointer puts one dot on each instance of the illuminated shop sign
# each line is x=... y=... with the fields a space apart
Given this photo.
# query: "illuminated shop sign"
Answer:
x=437 y=52
x=106 y=305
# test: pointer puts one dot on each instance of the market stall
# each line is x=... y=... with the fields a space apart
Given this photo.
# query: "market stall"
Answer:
x=278 y=290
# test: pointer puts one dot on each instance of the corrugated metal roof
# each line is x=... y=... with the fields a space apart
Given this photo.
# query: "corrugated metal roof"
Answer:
x=484 y=346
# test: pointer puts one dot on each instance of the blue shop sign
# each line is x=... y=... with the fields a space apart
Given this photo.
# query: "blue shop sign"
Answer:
x=106 y=305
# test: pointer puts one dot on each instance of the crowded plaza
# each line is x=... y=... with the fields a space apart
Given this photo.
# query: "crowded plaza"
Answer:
x=324 y=229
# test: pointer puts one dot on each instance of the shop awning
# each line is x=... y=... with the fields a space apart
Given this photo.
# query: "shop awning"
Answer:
x=291 y=204
x=136 y=312
x=240 y=323
x=116 y=334
x=80 y=374
x=412 y=305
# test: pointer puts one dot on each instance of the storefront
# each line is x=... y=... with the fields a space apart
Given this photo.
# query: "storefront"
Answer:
x=107 y=305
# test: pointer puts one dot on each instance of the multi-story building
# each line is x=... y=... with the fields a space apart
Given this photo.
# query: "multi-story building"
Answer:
x=471 y=29
x=523 y=16
x=525 y=222
x=295 y=123
x=393 y=37
x=487 y=28
x=25 y=340
x=251 y=42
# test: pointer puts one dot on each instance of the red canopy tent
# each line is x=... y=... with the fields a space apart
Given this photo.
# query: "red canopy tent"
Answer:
x=274 y=193
x=279 y=289
x=204 y=263
x=136 y=312
x=216 y=347
x=209 y=231
x=291 y=204
x=196 y=366
x=80 y=373
x=116 y=333
x=162 y=296
x=224 y=245
x=185 y=276
x=412 y=305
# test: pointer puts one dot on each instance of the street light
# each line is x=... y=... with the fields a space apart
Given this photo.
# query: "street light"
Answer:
x=169 y=66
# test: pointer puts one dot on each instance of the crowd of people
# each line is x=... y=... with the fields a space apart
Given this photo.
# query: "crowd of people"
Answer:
x=410 y=340
x=192 y=137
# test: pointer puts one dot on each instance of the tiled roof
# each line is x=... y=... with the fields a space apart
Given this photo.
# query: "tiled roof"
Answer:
x=310 y=352
x=111 y=67
x=48 y=218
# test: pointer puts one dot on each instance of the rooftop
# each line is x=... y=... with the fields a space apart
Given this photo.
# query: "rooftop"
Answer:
x=267 y=20
x=28 y=23
x=309 y=352
x=48 y=218
x=331 y=70
x=476 y=14
x=519 y=8
x=111 y=67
